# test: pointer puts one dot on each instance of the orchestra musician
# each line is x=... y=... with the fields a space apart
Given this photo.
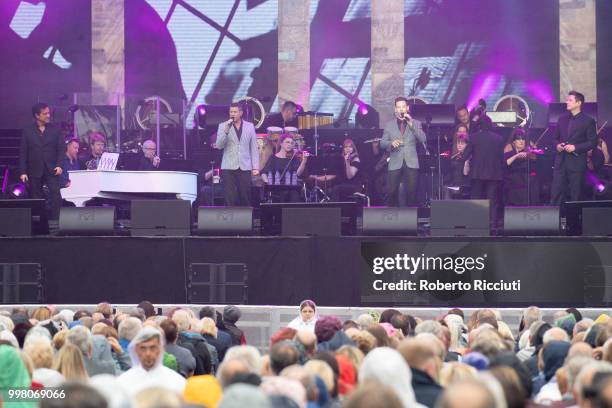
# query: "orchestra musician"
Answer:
x=457 y=180
x=286 y=117
x=97 y=144
x=520 y=182
x=348 y=180
x=285 y=167
x=400 y=138
x=70 y=161
x=149 y=161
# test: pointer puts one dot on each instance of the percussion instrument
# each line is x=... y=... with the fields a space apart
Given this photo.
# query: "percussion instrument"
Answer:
x=290 y=130
x=309 y=120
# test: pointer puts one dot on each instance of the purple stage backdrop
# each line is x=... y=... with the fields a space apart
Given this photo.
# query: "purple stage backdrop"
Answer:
x=45 y=49
x=218 y=51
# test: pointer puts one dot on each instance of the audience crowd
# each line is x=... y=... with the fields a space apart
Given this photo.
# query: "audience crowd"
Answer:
x=104 y=358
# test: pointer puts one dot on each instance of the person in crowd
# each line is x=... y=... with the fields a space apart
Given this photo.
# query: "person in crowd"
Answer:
x=210 y=333
x=193 y=341
x=307 y=317
x=70 y=364
x=203 y=390
x=96 y=353
x=146 y=351
x=231 y=315
x=425 y=364
x=186 y=361
x=128 y=329
x=222 y=335
x=41 y=353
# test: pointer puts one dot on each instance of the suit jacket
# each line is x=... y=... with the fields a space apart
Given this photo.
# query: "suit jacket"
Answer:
x=406 y=152
x=579 y=131
x=238 y=154
x=40 y=153
x=486 y=153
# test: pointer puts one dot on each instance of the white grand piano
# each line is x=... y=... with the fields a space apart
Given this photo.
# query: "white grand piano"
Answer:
x=128 y=185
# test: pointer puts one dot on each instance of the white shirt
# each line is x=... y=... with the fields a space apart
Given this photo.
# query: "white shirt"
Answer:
x=137 y=378
x=298 y=324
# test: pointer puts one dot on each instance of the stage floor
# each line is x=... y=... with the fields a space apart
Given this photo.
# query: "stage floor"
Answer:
x=334 y=271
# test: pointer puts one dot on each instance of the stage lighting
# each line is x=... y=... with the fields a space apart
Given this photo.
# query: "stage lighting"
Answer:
x=366 y=117
x=18 y=190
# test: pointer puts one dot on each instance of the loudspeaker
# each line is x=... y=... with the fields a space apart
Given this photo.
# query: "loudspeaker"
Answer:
x=460 y=218
x=389 y=221
x=15 y=222
x=225 y=221
x=311 y=221
x=21 y=283
x=87 y=220
x=217 y=283
x=597 y=221
x=161 y=218
x=37 y=206
x=531 y=221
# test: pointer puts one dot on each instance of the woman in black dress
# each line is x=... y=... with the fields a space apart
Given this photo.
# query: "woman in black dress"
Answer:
x=520 y=183
x=348 y=179
x=284 y=169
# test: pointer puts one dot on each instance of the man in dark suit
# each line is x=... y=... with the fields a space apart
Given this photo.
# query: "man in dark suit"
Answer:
x=485 y=151
x=149 y=161
x=575 y=135
x=40 y=157
x=400 y=139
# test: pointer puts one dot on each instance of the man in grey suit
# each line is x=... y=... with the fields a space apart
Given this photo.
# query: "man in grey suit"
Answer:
x=400 y=138
x=240 y=162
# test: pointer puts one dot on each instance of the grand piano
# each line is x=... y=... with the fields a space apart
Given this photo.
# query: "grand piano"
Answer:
x=128 y=185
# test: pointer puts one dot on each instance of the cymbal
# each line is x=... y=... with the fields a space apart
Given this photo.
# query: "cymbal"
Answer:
x=376 y=139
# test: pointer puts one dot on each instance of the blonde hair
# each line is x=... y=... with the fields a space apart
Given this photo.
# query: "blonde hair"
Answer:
x=41 y=353
x=352 y=353
x=59 y=339
x=323 y=370
x=209 y=327
x=70 y=363
x=41 y=314
x=455 y=372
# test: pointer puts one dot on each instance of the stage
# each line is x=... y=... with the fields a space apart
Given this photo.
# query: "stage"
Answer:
x=334 y=271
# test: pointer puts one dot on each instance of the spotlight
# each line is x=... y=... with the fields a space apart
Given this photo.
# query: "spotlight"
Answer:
x=18 y=190
x=600 y=187
x=299 y=108
x=366 y=117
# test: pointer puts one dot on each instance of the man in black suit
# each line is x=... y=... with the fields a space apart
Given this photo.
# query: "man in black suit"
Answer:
x=575 y=135
x=485 y=151
x=40 y=157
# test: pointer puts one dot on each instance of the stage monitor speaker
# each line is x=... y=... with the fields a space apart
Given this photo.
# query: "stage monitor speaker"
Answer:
x=389 y=221
x=87 y=221
x=161 y=218
x=311 y=221
x=597 y=222
x=531 y=221
x=223 y=283
x=460 y=218
x=225 y=221
x=15 y=222
x=38 y=210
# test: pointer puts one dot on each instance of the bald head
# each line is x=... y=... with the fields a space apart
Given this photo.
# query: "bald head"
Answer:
x=555 y=334
x=229 y=368
x=580 y=349
x=466 y=394
x=308 y=339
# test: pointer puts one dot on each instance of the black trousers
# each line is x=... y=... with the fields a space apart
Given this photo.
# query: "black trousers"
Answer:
x=55 y=198
x=566 y=181
x=237 y=187
x=487 y=190
x=405 y=175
